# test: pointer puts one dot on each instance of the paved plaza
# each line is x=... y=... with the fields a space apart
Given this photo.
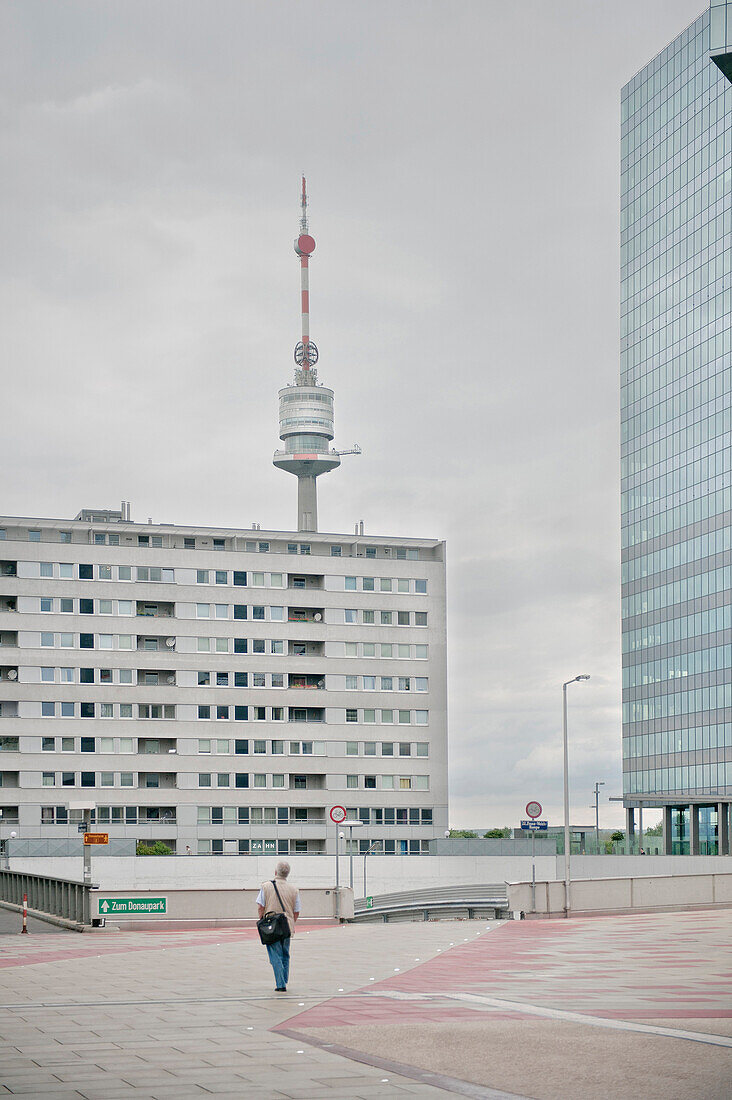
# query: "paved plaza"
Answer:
x=553 y=1010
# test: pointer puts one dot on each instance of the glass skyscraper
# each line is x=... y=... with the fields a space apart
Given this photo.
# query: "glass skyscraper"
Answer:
x=676 y=356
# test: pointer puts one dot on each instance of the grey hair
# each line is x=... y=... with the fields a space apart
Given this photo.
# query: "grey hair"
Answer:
x=282 y=869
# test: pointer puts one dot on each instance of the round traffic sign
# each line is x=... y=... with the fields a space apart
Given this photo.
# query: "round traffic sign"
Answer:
x=338 y=814
x=533 y=809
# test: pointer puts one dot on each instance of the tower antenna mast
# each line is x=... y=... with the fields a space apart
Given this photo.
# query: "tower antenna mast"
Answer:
x=306 y=407
x=306 y=353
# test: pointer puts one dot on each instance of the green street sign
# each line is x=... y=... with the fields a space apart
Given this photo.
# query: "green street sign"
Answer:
x=369 y=903
x=112 y=907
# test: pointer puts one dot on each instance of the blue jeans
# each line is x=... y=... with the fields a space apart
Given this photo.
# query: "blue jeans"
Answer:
x=279 y=956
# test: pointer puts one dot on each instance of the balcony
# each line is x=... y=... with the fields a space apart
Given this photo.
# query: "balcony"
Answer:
x=307 y=815
x=305 y=614
x=157 y=815
x=9 y=639
x=306 y=714
x=9 y=815
x=307 y=782
x=306 y=581
x=8 y=710
x=152 y=643
x=152 y=677
x=314 y=682
x=155 y=610
x=305 y=649
x=8 y=673
x=156 y=781
x=166 y=745
x=8 y=569
x=7 y=603
x=9 y=779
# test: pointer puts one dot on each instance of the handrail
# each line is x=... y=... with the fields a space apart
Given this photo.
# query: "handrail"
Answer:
x=57 y=897
x=469 y=892
x=438 y=899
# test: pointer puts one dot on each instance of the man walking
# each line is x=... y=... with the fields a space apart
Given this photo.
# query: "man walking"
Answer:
x=280 y=896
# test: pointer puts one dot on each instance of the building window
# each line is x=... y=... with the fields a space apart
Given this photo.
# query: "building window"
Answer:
x=420 y=618
x=335 y=551
x=370 y=551
x=351 y=715
x=351 y=781
x=369 y=782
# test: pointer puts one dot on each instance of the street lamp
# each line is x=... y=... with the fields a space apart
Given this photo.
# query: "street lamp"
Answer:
x=374 y=846
x=598 y=783
x=351 y=826
x=574 y=680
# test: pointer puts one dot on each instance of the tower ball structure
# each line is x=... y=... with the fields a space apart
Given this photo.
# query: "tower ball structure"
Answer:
x=306 y=406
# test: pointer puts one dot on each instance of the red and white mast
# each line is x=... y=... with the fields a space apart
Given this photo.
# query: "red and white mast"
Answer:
x=306 y=353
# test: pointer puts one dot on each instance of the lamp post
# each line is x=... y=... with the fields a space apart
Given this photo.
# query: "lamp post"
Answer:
x=374 y=846
x=598 y=783
x=574 y=680
x=351 y=826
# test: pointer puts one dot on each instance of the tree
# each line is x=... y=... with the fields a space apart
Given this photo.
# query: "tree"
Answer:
x=497 y=834
x=156 y=849
x=462 y=834
x=617 y=836
x=655 y=830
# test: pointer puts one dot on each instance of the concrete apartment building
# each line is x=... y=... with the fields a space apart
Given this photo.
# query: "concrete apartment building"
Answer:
x=676 y=264
x=221 y=689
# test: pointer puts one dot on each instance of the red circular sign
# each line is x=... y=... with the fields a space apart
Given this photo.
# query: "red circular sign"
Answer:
x=533 y=809
x=338 y=814
x=305 y=244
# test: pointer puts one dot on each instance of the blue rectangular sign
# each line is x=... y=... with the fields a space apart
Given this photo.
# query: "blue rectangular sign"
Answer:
x=538 y=825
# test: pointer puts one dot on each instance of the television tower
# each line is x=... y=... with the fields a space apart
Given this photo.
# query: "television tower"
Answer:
x=306 y=407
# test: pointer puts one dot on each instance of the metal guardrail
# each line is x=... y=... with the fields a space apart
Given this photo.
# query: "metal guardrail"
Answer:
x=57 y=897
x=445 y=900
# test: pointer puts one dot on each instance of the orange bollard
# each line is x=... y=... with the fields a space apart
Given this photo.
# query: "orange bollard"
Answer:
x=24 y=929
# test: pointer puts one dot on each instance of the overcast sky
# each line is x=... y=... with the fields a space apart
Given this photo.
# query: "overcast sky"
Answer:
x=462 y=162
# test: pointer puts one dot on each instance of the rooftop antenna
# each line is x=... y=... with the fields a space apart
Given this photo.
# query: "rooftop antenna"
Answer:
x=306 y=407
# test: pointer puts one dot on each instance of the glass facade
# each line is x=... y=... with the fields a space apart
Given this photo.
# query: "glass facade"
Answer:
x=676 y=356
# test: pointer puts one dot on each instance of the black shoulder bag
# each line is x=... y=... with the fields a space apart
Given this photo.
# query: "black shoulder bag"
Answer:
x=273 y=927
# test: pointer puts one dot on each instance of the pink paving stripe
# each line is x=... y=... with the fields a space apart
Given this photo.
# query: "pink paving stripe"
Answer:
x=96 y=945
x=518 y=962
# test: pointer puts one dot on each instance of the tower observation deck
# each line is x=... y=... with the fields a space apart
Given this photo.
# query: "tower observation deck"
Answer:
x=306 y=406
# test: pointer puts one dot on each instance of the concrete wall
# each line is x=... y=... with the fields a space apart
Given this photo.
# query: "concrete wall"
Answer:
x=621 y=866
x=222 y=906
x=385 y=874
x=624 y=894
